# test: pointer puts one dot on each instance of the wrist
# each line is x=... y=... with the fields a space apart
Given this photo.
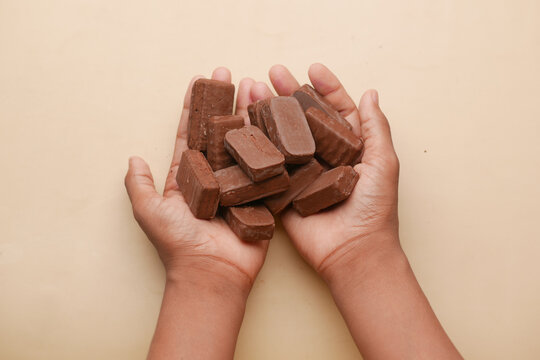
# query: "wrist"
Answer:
x=209 y=276
x=201 y=312
x=362 y=257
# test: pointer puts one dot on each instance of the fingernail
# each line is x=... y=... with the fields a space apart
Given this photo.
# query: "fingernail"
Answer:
x=375 y=97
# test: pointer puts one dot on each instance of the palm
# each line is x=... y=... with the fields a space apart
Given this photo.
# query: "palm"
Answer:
x=180 y=234
x=167 y=219
x=366 y=210
x=372 y=205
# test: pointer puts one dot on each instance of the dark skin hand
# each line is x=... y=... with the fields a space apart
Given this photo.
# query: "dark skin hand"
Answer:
x=169 y=223
x=372 y=207
x=355 y=246
x=210 y=271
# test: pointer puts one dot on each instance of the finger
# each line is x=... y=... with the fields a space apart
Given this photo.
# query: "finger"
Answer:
x=329 y=86
x=260 y=91
x=243 y=99
x=222 y=74
x=282 y=80
x=375 y=129
x=140 y=186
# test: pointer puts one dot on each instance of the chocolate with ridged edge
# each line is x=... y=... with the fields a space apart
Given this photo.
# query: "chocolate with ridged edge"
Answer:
x=329 y=189
x=208 y=98
x=254 y=153
x=308 y=97
x=198 y=185
x=250 y=222
x=336 y=144
x=236 y=187
x=217 y=155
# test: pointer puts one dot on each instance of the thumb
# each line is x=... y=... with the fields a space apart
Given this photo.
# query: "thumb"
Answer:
x=140 y=185
x=375 y=129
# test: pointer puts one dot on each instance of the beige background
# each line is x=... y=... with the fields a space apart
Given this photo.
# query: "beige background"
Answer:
x=86 y=83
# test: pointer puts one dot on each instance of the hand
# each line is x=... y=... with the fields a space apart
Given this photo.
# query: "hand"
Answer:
x=182 y=241
x=367 y=221
x=355 y=245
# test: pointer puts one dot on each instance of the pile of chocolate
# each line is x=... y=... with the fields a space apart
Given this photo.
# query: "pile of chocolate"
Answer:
x=254 y=172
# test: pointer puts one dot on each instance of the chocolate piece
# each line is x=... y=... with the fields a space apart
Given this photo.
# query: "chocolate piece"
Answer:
x=336 y=144
x=330 y=188
x=217 y=155
x=251 y=113
x=254 y=153
x=208 y=98
x=288 y=129
x=237 y=188
x=198 y=184
x=308 y=97
x=299 y=179
x=255 y=114
x=250 y=222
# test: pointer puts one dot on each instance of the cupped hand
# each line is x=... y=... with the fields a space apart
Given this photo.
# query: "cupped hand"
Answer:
x=367 y=221
x=185 y=243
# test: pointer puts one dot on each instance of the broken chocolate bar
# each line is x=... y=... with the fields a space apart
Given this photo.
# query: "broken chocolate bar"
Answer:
x=254 y=153
x=250 y=222
x=198 y=184
x=299 y=179
x=288 y=129
x=336 y=144
x=208 y=98
x=237 y=188
x=217 y=155
x=308 y=97
x=330 y=188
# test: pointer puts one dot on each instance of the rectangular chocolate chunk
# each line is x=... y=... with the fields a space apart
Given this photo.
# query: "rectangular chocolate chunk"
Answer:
x=237 y=188
x=299 y=179
x=255 y=114
x=254 y=153
x=217 y=155
x=336 y=144
x=288 y=129
x=308 y=97
x=250 y=222
x=330 y=188
x=208 y=98
x=198 y=184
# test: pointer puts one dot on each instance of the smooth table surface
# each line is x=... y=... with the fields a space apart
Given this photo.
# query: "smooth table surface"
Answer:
x=86 y=84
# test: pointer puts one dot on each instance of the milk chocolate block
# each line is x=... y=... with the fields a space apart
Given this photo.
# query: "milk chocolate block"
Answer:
x=308 y=97
x=198 y=184
x=288 y=129
x=217 y=155
x=208 y=98
x=336 y=144
x=330 y=188
x=250 y=222
x=237 y=188
x=254 y=153
x=255 y=114
x=299 y=179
